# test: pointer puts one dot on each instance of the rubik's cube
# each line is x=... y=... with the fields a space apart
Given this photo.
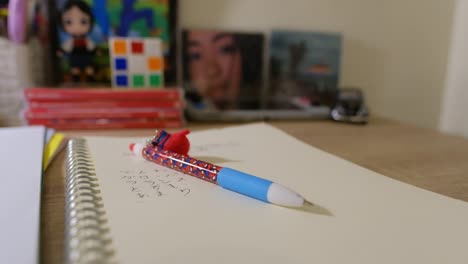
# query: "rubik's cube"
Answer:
x=136 y=62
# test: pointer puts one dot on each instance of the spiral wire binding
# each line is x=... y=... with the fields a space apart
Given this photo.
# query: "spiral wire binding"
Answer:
x=86 y=234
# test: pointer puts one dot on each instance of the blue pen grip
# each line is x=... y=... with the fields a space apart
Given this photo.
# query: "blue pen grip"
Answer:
x=244 y=183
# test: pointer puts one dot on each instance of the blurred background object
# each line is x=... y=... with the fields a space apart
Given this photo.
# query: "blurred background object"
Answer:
x=395 y=60
x=224 y=68
x=350 y=107
x=24 y=64
x=89 y=65
x=395 y=51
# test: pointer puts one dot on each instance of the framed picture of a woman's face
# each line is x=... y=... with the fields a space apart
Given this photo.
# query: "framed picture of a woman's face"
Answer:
x=223 y=69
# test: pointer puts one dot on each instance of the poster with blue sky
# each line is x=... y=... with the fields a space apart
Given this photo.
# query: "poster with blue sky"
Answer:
x=305 y=64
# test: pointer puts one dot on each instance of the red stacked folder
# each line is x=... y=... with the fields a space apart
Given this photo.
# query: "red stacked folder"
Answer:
x=80 y=108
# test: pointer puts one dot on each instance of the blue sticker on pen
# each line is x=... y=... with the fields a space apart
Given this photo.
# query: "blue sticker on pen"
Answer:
x=244 y=183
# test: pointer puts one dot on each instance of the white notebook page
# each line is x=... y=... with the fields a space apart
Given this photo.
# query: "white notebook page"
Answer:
x=161 y=216
x=20 y=196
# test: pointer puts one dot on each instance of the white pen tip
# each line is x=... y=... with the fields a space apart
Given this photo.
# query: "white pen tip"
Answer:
x=280 y=195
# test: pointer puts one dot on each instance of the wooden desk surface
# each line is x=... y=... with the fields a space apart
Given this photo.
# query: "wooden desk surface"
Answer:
x=420 y=157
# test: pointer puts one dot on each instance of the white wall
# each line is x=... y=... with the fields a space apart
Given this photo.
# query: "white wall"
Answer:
x=395 y=50
x=454 y=117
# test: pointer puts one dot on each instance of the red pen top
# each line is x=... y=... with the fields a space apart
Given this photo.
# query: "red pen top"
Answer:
x=176 y=142
x=171 y=150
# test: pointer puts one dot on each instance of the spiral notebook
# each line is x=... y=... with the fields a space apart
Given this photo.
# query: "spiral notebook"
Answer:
x=122 y=209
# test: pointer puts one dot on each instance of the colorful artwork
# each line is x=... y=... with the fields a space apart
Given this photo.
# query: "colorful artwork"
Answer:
x=136 y=62
x=223 y=69
x=85 y=27
x=305 y=65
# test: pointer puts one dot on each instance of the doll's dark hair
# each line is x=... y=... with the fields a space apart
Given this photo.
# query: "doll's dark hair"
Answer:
x=83 y=6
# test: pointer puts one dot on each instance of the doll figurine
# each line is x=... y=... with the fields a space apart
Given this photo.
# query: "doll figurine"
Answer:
x=76 y=19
